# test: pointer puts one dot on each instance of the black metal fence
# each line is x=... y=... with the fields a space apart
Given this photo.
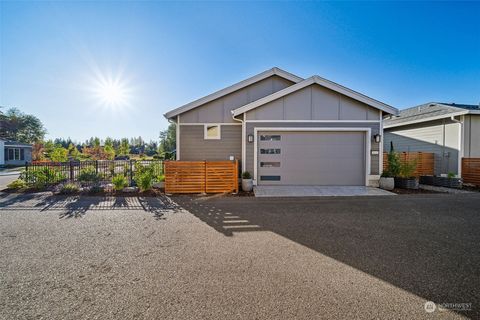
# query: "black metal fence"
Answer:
x=88 y=172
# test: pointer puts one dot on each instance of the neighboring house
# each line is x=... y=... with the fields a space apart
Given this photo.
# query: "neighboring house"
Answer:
x=286 y=130
x=14 y=153
x=450 y=131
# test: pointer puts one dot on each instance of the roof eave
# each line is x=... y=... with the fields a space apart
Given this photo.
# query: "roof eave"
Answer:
x=239 y=85
x=443 y=116
x=324 y=83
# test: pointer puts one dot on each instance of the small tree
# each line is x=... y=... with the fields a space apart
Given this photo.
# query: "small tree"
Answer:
x=59 y=154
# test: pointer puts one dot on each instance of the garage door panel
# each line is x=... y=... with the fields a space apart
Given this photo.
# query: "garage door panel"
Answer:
x=313 y=158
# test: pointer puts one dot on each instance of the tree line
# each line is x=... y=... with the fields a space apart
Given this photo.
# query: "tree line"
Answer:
x=18 y=126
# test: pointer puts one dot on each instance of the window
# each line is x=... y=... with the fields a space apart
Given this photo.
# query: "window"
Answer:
x=212 y=131
x=270 y=164
x=14 y=154
x=265 y=137
x=270 y=151
x=270 y=178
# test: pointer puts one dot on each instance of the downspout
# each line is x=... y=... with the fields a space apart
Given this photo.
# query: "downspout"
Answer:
x=243 y=139
x=460 y=144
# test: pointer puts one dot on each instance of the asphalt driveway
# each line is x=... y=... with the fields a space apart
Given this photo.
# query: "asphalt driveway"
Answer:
x=231 y=258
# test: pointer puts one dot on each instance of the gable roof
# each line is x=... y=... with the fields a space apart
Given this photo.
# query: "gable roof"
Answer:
x=237 y=86
x=324 y=83
x=430 y=111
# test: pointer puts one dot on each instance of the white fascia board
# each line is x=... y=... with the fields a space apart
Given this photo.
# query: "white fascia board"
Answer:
x=447 y=115
x=324 y=83
x=242 y=84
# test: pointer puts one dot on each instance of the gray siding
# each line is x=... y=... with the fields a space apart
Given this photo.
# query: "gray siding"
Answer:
x=250 y=127
x=472 y=136
x=193 y=146
x=440 y=137
x=314 y=103
x=219 y=111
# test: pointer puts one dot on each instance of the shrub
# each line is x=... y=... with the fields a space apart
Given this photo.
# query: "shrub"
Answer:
x=69 y=188
x=88 y=174
x=246 y=175
x=40 y=177
x=451 y=175
x=394 y=164
x=119 y=182
x=407 y=169
x=18 y=184
x=145 y=176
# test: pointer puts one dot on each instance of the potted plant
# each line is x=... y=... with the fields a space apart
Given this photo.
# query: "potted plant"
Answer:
x=247 y=183
x=387 y=181
x=405 y=179
x=450 y=181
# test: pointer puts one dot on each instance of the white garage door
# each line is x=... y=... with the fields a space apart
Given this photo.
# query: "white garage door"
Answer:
x=311 y=158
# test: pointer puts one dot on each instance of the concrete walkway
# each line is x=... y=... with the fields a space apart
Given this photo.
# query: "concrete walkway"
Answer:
x=318 y=191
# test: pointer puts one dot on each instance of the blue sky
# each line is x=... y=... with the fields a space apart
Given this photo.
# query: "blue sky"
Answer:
x=54 y=54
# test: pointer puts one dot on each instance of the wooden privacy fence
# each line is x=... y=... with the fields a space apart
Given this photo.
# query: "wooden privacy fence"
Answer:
x=425 y=162
x=471 y=170
x=201 y=176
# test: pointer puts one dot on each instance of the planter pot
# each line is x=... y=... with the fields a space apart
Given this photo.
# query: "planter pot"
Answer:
x=447 y=182
x=406 y=183
x=427 y=180
x=386 y=183
x=159 y=185
x=247 y=185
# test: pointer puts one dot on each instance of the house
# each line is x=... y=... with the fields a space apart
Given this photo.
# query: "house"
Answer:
x=14 y=153
x=450 y=131
x=286 y=130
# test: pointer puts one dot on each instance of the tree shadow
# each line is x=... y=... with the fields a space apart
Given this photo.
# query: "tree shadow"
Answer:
x=424 y=244
x=78 y=206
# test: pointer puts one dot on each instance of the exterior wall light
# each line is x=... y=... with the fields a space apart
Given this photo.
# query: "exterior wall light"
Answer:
x=250 y=138
x=377 y=138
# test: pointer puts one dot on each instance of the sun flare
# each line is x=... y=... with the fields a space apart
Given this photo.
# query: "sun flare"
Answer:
x=112 y=93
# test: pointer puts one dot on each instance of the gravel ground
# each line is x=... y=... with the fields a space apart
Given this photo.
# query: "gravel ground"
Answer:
x=231 y=258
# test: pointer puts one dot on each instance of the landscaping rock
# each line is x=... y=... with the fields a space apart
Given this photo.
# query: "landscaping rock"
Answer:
x=130 y=189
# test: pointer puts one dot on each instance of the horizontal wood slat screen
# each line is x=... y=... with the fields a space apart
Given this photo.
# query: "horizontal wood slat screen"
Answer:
x=471 y=170
x=201 y=176
x=425 y=162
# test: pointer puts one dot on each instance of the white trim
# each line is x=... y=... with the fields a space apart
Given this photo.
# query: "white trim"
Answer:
x=315 y=121
x=443 y=116
x=218 y=137
x=210 y=123
x=380 y=147
x=322 y=82
x=368 y=147
x=177 y=153
x=461 y=147
x=240 y=85
x=244 y=143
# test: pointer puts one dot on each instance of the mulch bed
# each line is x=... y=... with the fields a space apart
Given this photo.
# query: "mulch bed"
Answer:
x=413 y=191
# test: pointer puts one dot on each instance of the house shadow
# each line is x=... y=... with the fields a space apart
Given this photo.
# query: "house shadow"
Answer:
x=78 y=206
x=408 y=244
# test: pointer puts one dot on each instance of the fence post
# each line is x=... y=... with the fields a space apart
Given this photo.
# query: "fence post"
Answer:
x=71 y=171
x=205 y=181
x=26 y=171
x=131 y=173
